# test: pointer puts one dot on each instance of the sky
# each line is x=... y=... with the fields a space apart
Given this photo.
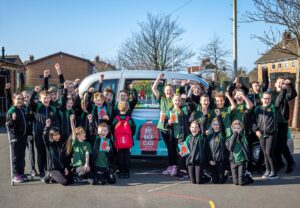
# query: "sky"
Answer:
x=87 y=28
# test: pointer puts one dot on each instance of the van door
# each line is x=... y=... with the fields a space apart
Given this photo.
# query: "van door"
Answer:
x=147 y=139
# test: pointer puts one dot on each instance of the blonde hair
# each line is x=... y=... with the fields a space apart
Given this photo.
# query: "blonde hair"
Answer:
x=123 y=106
x=237 y=122
x=77 y=131
x=98 y=95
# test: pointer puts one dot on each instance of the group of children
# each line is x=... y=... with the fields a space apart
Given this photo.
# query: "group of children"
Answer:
x=76 y=139
x=214 y=132
x=84 y=138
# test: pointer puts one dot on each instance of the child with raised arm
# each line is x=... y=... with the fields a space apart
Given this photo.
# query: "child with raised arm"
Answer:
x=42 y=111
x=80 y=151
x=238 y=148
x=17 y=129
x=177 y=120
x=217 y=149
x=58 y=166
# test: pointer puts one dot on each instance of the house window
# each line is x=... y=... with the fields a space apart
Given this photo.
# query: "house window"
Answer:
x=279 y=66
x=293 y=64
x=286 y=65
x=273 y=66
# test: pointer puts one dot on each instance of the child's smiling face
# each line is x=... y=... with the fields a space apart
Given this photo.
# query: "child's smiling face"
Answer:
x=102 y=131
x=215 y=125
x=194 y=129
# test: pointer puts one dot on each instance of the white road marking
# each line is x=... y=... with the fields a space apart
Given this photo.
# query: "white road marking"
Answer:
x=166 y=186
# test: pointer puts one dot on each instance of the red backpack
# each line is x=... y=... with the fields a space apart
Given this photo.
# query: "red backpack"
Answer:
x=122 y=134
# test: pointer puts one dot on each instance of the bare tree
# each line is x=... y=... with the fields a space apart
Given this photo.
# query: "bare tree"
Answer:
x=153 y=47
x=285 y=14
x=215 y=53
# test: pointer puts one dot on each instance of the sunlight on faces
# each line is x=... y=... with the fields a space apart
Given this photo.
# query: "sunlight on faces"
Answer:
x=215 y=125
x=278 y=84
x=220 y=101
x=169 y=91
x=81 y=136
x=238 y=97
x=176 y=101
x=214 y=93
x=108 y=97
x=18 y=100
x=56 y=136
x=102 y=131
x=45 y=99
x=69 y=104
x=204 y=101
x=266 y=99
x=194 y=128
x=236 y=128
x=255 y=88
x=54 y=96
x=123 y=97
x=26 y=97
x=196 y=89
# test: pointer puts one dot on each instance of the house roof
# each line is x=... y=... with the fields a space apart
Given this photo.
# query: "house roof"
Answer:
x=275 y=55
x=195 y=68
x=103 y=66
x=12 y=59
x=55 y=54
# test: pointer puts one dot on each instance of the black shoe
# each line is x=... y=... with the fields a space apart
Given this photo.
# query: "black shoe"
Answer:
x=272 y=175
x=42 y=177
x=47 y=178
x=121 y=175
x=290 y=167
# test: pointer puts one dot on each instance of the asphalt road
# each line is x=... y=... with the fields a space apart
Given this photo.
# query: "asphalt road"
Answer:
x=147 y=188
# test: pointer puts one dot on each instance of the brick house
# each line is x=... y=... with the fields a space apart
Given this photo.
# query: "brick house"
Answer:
x=12 y=71
x=278 y=63
x=72 y=67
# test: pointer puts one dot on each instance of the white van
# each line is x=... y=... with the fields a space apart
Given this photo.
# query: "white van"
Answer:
x=147 y=139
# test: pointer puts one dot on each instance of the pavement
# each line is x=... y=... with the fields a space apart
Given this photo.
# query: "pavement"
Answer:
x=148 y=188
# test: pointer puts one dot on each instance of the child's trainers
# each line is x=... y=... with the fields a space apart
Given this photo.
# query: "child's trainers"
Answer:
x=173 y=171
x=18 y=179
x=266 y=175
x=167 y=171
x=24 y=177
x=272 y=175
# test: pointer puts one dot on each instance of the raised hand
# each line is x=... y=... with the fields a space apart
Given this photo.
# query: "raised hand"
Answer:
x=7 y=86
x=217 y=111
x=90 y=118
x=161 y=75
x=72 y=118
x=37 y=89
x=57 y=67
x=77 y=81
x=46 y=73
x=91 y=89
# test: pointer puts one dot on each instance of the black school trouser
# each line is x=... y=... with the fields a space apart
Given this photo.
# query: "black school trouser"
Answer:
x=59 y=177
x=238 y=173
x=124 y=160
x=195 y=173
x=41 y=153
x=171 y=144
x=217 y=172
x=18 y=148
x=281 y=145
x=31 y=141
x=268 y=146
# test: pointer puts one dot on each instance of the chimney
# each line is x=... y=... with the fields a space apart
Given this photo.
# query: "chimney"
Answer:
x=97 y=59
x=31 y=57
x=3 y=52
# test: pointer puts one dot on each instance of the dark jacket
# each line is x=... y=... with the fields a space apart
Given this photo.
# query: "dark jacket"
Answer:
x=56 y=155
x=198 y=147
x=41 y=114
x=216 y=144
x=230 y=144
x=18 y=127
x=264 y=120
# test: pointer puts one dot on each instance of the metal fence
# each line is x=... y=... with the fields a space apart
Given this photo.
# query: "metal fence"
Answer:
x=3 y=106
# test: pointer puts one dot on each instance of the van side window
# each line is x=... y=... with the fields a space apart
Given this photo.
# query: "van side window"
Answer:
x=146 y=98
x=111 y=83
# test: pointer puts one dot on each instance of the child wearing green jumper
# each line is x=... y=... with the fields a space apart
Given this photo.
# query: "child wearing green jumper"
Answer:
x=81 y=151
x=238 y=147
x=102 y=147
